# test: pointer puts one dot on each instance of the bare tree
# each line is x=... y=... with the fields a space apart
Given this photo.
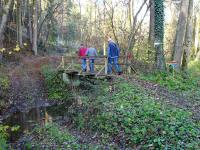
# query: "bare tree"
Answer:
x=151 y=22
x=35 y=21
x=30 y=29
x=19 y=22
x=3 y=22
x=180 y=33
x=188 y=37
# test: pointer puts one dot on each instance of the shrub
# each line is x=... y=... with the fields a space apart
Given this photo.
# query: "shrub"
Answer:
x=57 y=89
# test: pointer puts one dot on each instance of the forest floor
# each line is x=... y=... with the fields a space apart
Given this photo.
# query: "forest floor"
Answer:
x=28 y=90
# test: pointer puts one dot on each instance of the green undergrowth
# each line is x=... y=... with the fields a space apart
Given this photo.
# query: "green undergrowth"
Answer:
x=124 y=113
x=3 y=137
x=5 y=132
x=4 y=86
x=133 y=119
x=194 y=68
x=53 y=136
x=57 y=89
x=177 y=82
x=4 y=82
x=187 y=84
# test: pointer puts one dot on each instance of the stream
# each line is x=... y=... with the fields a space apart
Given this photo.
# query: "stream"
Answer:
x=41 y=115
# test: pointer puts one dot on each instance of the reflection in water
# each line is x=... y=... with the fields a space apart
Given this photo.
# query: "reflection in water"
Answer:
x=38 y=115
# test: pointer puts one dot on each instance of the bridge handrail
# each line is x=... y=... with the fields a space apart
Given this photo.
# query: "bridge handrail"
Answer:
x=101 y=56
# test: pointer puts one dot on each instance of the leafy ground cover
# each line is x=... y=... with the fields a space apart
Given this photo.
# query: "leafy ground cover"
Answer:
x=125 y=114
x=186 y=84
x=3 y=137
x=57 y=89
x=5 y=131
x=178 y=82
x=53 y=136
x=4 y=86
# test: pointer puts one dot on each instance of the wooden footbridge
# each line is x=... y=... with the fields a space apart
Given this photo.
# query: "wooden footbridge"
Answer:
x=72 y=65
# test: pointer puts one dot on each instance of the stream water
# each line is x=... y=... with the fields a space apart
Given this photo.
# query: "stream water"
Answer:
x=26 y=121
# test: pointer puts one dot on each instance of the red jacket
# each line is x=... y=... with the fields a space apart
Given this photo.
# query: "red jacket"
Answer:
x=82 y=51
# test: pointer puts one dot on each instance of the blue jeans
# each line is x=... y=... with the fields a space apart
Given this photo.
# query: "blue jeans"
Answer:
x=111 y=62
x=91 y=65
x=84 y=64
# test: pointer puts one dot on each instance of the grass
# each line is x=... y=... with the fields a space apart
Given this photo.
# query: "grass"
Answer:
x=124 y=113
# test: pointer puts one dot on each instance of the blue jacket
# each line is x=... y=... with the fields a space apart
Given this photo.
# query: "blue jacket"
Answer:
x=113 y=50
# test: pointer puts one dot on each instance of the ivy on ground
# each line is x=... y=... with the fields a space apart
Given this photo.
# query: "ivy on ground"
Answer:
x=124 y=113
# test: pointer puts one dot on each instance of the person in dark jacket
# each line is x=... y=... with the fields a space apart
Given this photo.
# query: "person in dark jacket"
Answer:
x=82 y=54
x=113 y=56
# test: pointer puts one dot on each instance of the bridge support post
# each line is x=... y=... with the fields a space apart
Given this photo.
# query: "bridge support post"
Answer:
x=63 y=62
x=106 y=65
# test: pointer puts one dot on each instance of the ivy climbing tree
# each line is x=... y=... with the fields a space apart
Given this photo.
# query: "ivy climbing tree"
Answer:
x=159 y=34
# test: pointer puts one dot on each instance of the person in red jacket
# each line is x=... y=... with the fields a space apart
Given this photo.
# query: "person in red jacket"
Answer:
x=82 y=53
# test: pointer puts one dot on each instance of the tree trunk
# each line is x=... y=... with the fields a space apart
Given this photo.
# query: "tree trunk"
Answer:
x=0 y=8
x=130 y=17
x=188 y=37
x=173 y=24
x=151 y=23
x=3 y=22
x=30 y=31
x=159 y=35
x=198 y=56
x=180 y=33
x=133 y=29
x=196 y=34
x=35 y=20
x=19 y=22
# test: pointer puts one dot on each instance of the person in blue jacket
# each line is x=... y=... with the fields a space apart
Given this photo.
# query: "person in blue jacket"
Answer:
x=113 y=56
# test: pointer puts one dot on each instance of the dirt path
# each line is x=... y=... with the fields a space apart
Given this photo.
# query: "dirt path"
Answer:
x=164 y=95
x=27 y=84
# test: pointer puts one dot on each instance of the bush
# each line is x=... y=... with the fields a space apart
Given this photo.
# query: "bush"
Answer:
x=57 y=89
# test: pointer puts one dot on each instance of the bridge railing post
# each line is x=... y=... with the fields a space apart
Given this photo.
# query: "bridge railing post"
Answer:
x=106 y=65
x=63 y=62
